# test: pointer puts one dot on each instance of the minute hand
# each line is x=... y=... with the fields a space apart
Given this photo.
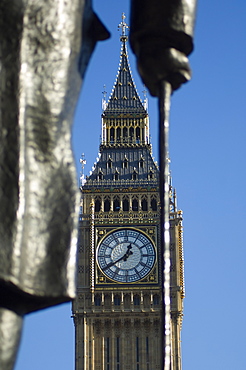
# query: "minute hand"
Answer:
x=124 y=257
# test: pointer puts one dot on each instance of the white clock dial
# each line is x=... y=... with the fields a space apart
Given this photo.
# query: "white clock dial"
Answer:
x=126 y=255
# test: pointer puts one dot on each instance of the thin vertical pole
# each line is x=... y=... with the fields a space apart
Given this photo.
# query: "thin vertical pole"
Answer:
x=164 y=108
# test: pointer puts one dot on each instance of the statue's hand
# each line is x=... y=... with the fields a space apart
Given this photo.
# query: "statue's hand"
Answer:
x=156 y=64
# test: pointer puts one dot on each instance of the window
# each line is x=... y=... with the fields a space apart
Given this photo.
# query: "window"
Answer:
x=125 y=133
x=109 y=163
x=100 y=175
x=141 y=163
x=136 y=300
x=131 y=133
x=118 y=133
x=153 y=204
x=125 y=205
x=112 y=135
x=151 y=174
x=106 y=205
x=144 y=205
x=116 y=205
x=116 y=176
x=138 y=135
x=135 y=205
x=107 y=301
x=97 y=205
x=156 y=299
x=134 y=175
x=117 y=300
x=97 y=300
x=125 y=163
x=127 y=301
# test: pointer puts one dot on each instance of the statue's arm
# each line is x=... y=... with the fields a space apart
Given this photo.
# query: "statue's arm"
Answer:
x=161 y=36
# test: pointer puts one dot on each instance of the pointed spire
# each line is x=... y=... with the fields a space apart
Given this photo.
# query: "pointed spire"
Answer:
x=124 y=97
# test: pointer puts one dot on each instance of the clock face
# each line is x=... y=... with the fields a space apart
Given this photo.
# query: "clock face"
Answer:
x=126 y=255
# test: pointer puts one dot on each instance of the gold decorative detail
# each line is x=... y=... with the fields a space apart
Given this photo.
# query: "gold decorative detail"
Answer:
x=124 y=97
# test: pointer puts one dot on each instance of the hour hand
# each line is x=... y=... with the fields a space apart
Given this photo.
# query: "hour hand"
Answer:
x=124 y=257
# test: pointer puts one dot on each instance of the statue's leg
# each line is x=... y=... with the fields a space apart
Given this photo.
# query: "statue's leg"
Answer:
x=10 y=334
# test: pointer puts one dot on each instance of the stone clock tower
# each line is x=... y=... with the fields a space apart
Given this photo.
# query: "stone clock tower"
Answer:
x=118 y=310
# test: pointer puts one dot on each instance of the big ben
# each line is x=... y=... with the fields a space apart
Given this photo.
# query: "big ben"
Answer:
x=118 y=310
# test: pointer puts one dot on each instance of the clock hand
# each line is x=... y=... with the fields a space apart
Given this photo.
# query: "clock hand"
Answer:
x=128 y=253
x=124 y=257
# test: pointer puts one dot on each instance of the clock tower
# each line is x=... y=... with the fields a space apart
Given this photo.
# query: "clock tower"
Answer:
x=118 y=310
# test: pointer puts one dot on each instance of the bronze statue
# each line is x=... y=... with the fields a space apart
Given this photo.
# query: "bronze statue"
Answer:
x=45 y=47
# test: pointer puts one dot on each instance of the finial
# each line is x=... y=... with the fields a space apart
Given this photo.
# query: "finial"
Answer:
x=82 y=176
x=145 y=101
x=104 y=100
x=123 y=26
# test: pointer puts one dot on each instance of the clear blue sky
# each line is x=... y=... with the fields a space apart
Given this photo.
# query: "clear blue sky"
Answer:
x=208 y=152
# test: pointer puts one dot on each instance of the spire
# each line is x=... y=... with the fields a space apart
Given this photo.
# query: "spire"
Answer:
x=124 y=97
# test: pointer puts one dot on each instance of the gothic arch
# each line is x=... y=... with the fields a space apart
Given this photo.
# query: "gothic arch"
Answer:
x=144 y=204
x=98 y=205
x=116 y=204
x=106 y=204
x=125 y=204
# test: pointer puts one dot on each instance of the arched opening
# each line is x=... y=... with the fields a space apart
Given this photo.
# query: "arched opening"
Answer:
x=112 y=135
x=118 y=133
x=135 y=205
x=141 y=163
x=125 y=133
x=138 y=135
x=98 y=205
x=117 y=300
x=106 y=205
x=144 y=204
x=153 y=204
x=116 y=205
x=125 y=205
x=146 y=301
x=134 y=175
x=107 y=301
x=131 y=133
x=127 y=301
x=109 y=163
x=156 y=299
x=97 y=300
x=125 y=163
x=136 y=300
x=100 y=175
x=151 y=174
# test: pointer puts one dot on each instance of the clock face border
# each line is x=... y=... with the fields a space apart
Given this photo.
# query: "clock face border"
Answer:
x=144 y=268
